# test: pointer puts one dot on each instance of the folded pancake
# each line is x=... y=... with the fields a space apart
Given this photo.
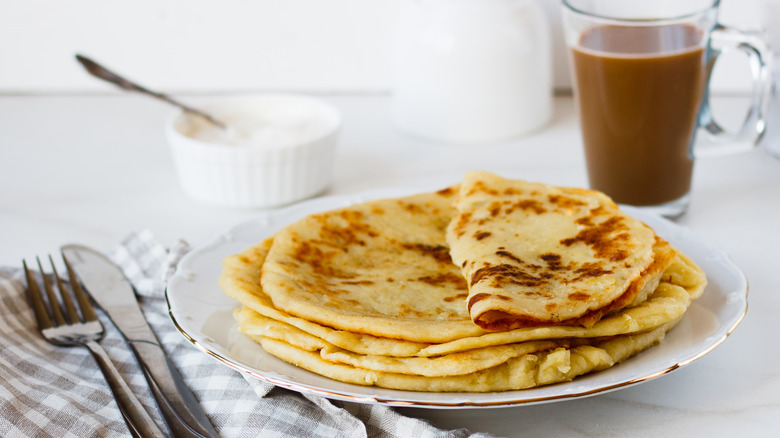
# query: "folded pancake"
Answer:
x=536 y=255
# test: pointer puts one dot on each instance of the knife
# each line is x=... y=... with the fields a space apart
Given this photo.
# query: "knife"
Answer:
x=113 y=293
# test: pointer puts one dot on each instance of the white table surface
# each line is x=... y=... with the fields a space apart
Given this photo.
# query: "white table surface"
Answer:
x=90 y=169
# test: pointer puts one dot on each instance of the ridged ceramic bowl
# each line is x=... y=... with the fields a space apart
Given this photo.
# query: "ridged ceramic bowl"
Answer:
x=289 y=157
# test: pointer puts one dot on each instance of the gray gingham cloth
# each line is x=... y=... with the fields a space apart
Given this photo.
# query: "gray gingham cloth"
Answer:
x=48 y=391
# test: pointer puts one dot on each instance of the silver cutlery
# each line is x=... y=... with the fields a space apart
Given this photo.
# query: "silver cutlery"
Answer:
x=78 y=326
x=114 y=294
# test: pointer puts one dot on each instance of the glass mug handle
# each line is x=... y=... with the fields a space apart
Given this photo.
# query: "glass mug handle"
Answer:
x=720 y=141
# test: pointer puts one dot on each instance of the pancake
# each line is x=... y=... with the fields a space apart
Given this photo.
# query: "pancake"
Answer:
x=536 y=255
x=561 y=364
x=381 y=268
x=369 y=294
x=682 y=282
x=457 y=363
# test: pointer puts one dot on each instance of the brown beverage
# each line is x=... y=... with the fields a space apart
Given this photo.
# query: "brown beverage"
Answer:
x=639 y=90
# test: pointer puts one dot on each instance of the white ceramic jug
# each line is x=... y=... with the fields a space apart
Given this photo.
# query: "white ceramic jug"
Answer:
x=469 y=71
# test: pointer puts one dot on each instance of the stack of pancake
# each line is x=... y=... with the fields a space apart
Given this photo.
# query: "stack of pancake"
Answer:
x=489 y=285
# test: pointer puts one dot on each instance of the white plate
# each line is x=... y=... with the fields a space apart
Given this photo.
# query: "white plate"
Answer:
x=203 y=314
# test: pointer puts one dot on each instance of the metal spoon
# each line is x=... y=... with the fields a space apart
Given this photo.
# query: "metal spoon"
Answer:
x=101 y=72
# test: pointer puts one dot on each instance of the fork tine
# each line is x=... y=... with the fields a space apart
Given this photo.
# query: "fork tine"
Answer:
x=85 y=305
x=67 y=301
x=54 y=303
x=36 y=298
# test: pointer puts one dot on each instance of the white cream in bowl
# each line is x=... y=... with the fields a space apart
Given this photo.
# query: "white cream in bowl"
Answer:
x=278 y=149
x=274 y=121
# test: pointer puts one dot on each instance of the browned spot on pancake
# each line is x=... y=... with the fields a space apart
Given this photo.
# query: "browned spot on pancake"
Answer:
x=319 y=260
x=534 y=267
x=543 y=293
x=405 y=310
x=320 y=289
x=305 y=251
x=390 y=279
x=344 y=228
x=509 y=191
x=619 y=255
x=503 y=297
x=358 y=282
x=480 y=186
x=411 y=207
x=463 y=221
x=495 y=208
x=598 y=238
x=477 y=298
x=446 y=278
x=509 y=255
x=449 y=191
x=578 y=296
x=550 y=307
x=377 y=210
x=479 y=235
x=531 y=205
x=455 y=297
x=594 y=269
x=553 y=261
x=565 y=201
x=504 y=274
x=439 y=252
x=585 y=220
x=334 y=245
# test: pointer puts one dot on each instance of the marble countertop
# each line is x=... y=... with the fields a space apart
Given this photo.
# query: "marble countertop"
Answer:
x=90 y=169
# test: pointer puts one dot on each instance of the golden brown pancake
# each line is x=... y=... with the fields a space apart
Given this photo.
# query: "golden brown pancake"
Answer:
x=369 y=294
x=536 y=255
x=555 y=365
x=381 y=267
x=682 y=282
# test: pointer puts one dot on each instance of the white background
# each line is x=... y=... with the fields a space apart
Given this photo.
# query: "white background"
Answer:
x=90 y=169
x=244 y=45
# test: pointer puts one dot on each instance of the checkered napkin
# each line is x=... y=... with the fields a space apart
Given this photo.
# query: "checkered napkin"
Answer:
x=48 y=391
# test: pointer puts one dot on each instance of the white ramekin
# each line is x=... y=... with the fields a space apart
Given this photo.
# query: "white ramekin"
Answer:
x=255 y=176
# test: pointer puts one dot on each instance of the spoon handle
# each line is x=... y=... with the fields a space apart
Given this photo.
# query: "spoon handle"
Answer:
x=107 y=75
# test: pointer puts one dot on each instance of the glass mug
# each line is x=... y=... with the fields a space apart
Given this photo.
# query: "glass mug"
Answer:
x=640 y=72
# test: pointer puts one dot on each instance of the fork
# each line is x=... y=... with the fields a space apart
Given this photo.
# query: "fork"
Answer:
x=70 y=329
